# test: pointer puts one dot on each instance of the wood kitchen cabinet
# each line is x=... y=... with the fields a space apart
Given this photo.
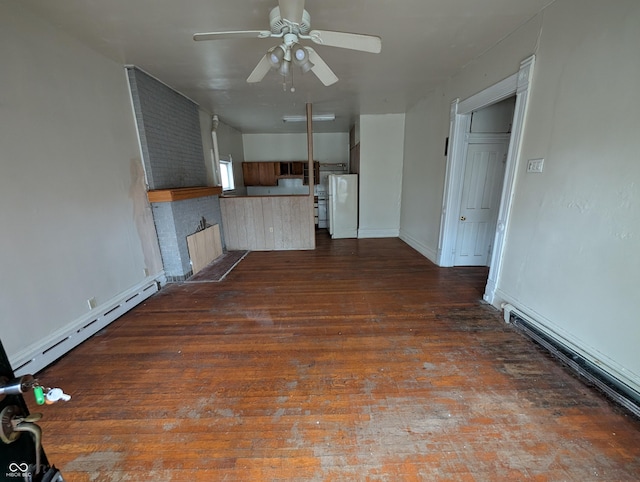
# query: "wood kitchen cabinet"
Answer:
x=260 y=173
x=251 y=174
x=268 y=173
x=300 y=170
x=291 y=169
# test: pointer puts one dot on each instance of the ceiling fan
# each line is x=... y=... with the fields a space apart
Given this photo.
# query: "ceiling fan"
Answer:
x=290 y=22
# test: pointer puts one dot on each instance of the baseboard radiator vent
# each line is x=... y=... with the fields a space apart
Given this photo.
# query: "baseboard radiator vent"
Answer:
x=36 y=357
x=615 y=389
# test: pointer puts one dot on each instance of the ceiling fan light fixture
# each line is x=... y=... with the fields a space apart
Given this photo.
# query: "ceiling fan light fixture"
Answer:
x=299 y=53
x=275 y=55
x=284 y=68
x=303 y=118
x=307 y=66
x=301 y=58
x=291 y=25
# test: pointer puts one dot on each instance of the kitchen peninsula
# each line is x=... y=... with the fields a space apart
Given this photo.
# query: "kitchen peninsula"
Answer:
x=266 y=223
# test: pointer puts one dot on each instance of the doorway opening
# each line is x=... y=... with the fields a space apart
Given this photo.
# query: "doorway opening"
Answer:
x=460 y=136
x=486 y=146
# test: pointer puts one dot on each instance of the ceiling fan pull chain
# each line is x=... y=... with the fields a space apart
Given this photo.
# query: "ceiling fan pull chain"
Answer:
x=293 y=88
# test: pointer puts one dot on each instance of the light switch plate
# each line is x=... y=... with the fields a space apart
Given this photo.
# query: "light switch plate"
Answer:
x=535 y=165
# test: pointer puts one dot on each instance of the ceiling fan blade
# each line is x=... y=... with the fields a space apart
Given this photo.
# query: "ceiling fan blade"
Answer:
x=321 y=69
x=260 y=71
x=345 y=40
x=291 y=10
x=232 y=34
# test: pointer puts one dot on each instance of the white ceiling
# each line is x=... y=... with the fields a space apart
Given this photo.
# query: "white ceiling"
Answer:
x=424 y=42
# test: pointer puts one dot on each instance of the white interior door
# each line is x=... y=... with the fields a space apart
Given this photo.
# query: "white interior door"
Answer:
x=481 y=191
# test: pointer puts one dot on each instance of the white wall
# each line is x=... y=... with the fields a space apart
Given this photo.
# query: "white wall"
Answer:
x=381 y=152
x=571 y=257
x=229 y=143
x=427 y=127
x=75 y=220
x=423 y=174
x=572 y=248
x=327 y=147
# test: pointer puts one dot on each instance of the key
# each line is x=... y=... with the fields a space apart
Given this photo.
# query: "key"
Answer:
x=56 y=394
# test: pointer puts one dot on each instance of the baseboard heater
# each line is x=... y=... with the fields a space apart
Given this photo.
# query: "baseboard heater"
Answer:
x=615 y=389
x=44 y=352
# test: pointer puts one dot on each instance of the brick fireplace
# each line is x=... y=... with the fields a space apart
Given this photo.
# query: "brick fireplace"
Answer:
x=173 y=158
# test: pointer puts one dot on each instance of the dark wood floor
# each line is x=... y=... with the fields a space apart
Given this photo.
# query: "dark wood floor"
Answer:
x=360 y=360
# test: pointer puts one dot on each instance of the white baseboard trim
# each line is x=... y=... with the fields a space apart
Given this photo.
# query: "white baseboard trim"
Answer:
x=490 y=292
x=378 y=233
x=563 y=338
x=426 y=251
x=161 y=278
x=44 y=352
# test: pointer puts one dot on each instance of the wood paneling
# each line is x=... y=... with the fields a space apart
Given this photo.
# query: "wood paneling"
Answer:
x=204 y=247
x=357 y=361
x=268 y=223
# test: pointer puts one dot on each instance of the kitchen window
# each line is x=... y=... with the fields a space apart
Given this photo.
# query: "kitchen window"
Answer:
x=226 y=174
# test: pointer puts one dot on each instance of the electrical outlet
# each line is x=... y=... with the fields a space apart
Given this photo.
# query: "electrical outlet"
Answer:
x=92 y=303
x=535 y=165
x=271 y=229
x=146 y=272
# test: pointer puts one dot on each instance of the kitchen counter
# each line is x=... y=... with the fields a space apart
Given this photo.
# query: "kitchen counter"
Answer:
x=233 y=196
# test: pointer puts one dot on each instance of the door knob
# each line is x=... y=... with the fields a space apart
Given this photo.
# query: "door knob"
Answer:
x=462 y=218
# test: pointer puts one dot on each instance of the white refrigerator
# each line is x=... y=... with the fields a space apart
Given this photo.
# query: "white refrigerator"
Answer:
x=342 y=206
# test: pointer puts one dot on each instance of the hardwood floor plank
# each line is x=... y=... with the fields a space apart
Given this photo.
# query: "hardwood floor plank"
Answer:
x=360 y=360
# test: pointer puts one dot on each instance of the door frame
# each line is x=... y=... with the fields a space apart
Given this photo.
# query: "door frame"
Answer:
x=460 y=120
x=474 y=139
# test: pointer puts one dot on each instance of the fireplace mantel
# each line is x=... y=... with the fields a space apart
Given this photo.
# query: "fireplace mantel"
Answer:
x=182 y=193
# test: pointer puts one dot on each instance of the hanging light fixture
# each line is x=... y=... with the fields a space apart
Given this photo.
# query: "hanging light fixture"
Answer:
x=280 y=59
x=281 y=56
x=284 y=67
x=301 y=57
x=275 y=55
